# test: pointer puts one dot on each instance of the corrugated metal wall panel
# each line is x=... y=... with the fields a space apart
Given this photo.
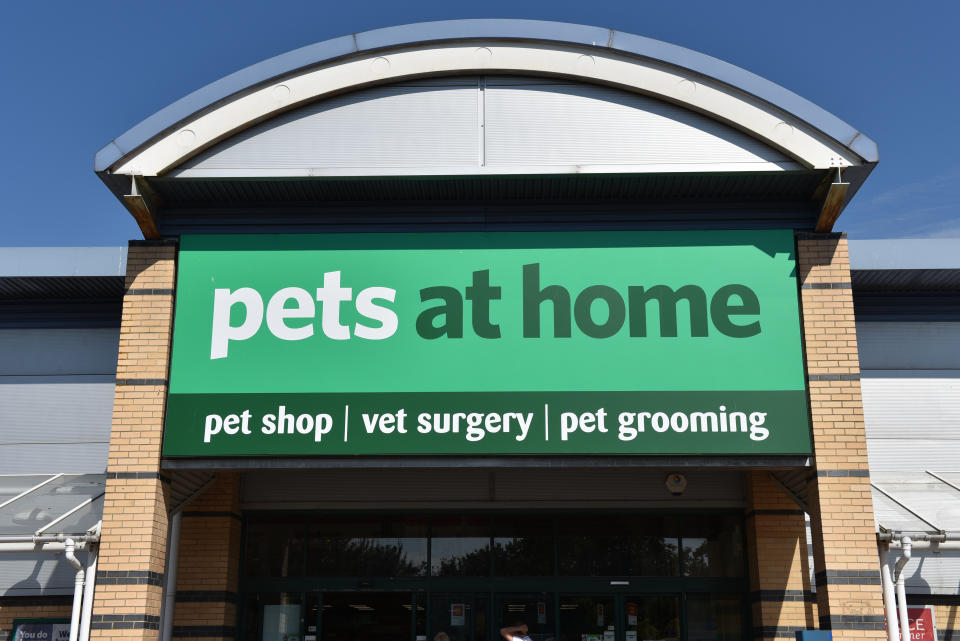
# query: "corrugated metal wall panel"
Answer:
x=390 y=126
x=897 y=407
x=58 y=351
x=913 y=454
x=579 y=124
x=464 y=488
x=908 y=345
x=47 y=458
x=55 y=409
x=34 y=574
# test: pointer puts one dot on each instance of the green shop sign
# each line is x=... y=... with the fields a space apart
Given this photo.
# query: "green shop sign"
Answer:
x=487 y=343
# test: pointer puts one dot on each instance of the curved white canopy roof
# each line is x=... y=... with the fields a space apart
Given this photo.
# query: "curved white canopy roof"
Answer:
x=781 y=119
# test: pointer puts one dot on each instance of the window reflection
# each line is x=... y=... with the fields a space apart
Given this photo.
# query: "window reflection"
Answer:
x=582 y=544
x=460 y=546
x=618 y=546
x=712 y=545
x=274 y=548
x=522 y=546
x=368 y=547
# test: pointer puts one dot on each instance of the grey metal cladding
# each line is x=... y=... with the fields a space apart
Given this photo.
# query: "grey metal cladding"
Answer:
x=560 y=123
x=919 y=407
x=54 y=458
x=448 y=123
x=52 y=410
x=59 y=352
x=389 y=126
x=899 y=345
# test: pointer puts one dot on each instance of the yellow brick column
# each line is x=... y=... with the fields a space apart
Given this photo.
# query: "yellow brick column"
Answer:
x=777 y=551
x=208 y=571
x=849 y=597
x=134 y=539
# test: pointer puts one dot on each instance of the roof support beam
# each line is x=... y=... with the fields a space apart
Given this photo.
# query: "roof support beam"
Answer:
x=832 y=203
x=143 y=202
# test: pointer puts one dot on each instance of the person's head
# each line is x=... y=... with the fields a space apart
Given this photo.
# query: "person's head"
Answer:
x=441 y=636
x=522 y=625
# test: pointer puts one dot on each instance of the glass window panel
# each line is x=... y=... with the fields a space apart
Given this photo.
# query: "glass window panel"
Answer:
x=587 y=618
x=652 y=617
x=714 y=617
x=607 y=545
x=522 y=546
x=460 y=546
x=712 y=545
x=391 y=546
x=274 y=548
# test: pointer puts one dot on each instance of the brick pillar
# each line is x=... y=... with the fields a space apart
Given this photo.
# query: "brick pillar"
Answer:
x=849 y=596
x=208 y=571
x=777 y=550
x=134 y=538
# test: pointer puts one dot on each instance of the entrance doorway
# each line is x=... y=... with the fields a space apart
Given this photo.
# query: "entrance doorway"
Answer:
x=583 y=577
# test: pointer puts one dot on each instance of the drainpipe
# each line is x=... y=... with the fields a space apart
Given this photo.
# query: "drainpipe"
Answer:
x=905 y=548
x=166 y=628
x=69 y=547
x=87 y=611
x=889 y=602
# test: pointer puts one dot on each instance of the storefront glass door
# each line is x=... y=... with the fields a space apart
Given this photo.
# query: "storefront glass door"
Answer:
x=652 y=617
x=461 y=616
x=588 y=618
x=461 y=578
x=535 y=610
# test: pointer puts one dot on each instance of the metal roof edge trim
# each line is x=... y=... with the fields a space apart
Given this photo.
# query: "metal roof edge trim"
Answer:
x=900 y=254
x=507 y=29
x=24 y=262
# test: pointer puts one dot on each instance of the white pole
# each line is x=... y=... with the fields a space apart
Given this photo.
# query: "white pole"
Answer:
x=889 y=602
x=87 y=611
x=69 y=546
x=905 y=544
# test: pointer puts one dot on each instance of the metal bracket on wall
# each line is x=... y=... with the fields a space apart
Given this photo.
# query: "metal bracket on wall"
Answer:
x=143 y=202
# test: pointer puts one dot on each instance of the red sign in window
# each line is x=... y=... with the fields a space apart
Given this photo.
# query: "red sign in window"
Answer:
x=921 y=624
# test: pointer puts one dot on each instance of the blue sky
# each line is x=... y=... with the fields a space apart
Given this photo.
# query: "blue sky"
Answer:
x=77 y=74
